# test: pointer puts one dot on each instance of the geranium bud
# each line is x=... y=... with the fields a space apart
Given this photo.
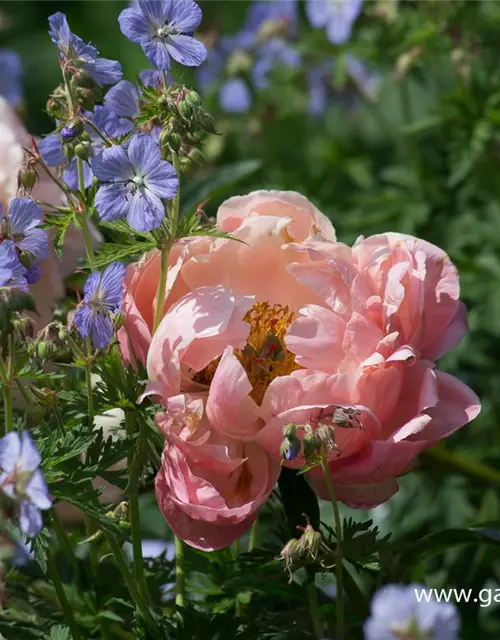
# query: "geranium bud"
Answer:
x=69 y=151
x=27 y=178
x=193 y=99
x=290 y=554
x=312 y=446
x=197 y=156
x=310 y=543
x=71 y=130
x=82 y=150
x=175 y=142
x=290 y=448
x=184 y=109
x=326 y=435
x=82 y=79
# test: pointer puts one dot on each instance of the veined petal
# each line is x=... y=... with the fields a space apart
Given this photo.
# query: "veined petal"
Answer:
x=83 y=319
x=38 y=492
x=111 y=285
x=186 y=50
x=51 y=149
x=185 y=16
x=112 y=165
x=157 y=53
x=23 y=215
x=30 y=519
x=146 y=211
x=162 y=180
x=135 y=25
x=105 y=71
x=123 y=99
x=36 y=242
x=101 y=330
x=10 y=451
x=144 y=154
x=112 y=201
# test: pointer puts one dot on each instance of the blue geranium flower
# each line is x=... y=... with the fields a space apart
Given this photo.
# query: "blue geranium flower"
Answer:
x=12 y=272
x=51 y=147
x=134 y=181
x=11 y=72
x=396 y=613
x=103 y=294
x=77 y=54
x=163 y=28
x=22 y=481
x=20 y=224
x=336 y=16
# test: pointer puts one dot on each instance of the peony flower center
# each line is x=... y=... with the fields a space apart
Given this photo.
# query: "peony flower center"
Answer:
x=265 y=356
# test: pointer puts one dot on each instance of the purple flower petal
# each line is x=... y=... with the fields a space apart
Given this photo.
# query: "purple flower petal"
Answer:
x=36 y=242
x=30 y=519
x=83 y=319
x=134 y=25
x=101 y=330
x=105 y=71
x=185 y=16
x=155 y=11
x=162 y=180
x=51 y=149
x=111 y=285
x=33 y=274
x=59 y=30
x=186 y=50
x=123 y=99
x=318 y=12
x=112 y=201
x=235 y=96
x=91 y=285
x=157 y=53
x=112 y=165
x=146 y=211
x=11 y=72
x=37 y=491
x=10 y=451
x=144 y=154
x=24 y=214
x=70 y=175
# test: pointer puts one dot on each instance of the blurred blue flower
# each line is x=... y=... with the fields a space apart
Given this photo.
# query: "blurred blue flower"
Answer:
x=12 y=272
x=244 y=54
x=279 y=15
x=103 y=294
x=134 y=181
x=20 y=224
x=77 y=54
x=322 y=92
x=161 y=27
x=396 y=613
x=337 y=16
x=22 y=481
x=11 y=72
x=51 y=147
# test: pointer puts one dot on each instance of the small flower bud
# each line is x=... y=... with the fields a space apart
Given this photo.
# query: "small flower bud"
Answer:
x=23 y=326
x=197 y=157
x=207 y=123
x=290 y=448
x=69 y=151
x=82 y=150
x=175 y=142
x=325 y=433
x=72 y=129
x=87 y=98
x=289 y=430
x=46 y=397
x=310 y=543
x=290 y=554
x=56 y=109
x=83 y=80
x=346 y=417
x=27 y=178
x=193 y=99
x=164 y=138
x=312 y=446
x=184 y=109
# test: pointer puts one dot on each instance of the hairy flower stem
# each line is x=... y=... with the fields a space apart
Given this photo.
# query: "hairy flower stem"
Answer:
x=7 y=371
x=61 y=595
x=314 y=608
x=338 y=563
x=179 y=572
x=135 y=521
x=252 y=542
x=131 y=586
x=90 y=393
x=162 y=284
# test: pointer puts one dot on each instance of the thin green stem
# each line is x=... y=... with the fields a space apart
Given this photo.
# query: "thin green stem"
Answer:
x=63 y=599
x=129 y=581
x=176 y=202
x=179 y=572
x=8 y=407
x=254 y=532
x=338 y=563
x=8 y=374
x=135 y=520
x=87 y=237
x=162 y=285
x=90 y=393
x=314 y=608
x=23 y=392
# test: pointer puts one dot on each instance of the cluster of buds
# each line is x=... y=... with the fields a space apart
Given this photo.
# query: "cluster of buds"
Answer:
x=13 y=320
x=85 y=91
x=318 y=435
x=51 y=343
x=308 y=549
x=184 y=122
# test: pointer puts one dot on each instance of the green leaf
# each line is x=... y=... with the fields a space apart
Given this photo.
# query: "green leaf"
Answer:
x=217 y=183
x=109 y=252
x=58 y=632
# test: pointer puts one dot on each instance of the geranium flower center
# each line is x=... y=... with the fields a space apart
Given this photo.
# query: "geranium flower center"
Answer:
x=165 y=31
x=265 y=356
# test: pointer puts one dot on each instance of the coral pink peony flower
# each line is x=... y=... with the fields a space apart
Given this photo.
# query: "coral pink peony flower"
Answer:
x=291 y=326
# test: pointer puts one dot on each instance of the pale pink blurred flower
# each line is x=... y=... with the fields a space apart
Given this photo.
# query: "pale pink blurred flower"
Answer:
x=290 y=326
